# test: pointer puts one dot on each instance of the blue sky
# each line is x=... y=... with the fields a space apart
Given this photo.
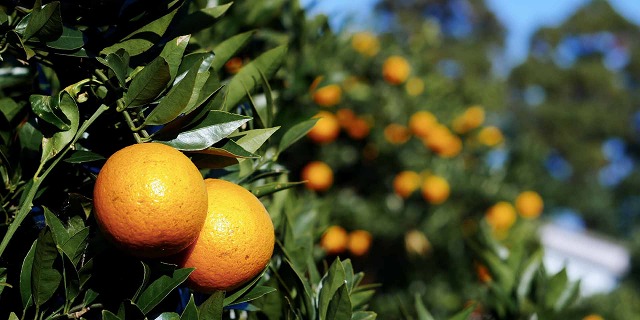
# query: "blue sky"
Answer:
x=520 y=17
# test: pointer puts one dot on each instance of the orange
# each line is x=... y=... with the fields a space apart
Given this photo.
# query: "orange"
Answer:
x=405 y=183
x=472 y=118
x=435 y=189
x=444 y=143
x=416 y=243
x=501 y=216
x=414 y=86
x=150 y=200
x=328 y=96
x=421 y=123
x=365 y=43
x=236 y=242
x=318 y=175
x=593 y=316
x=529 y=204
x=358 y=129
x=326 y=130
x=396 y=133
x=490 y=136
x=334 y=240
x=396 y=70
x=234 y=65
x=345 y=117
x=359 y=242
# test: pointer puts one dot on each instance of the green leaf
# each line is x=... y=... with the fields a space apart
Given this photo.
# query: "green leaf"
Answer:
x=190 y=311
x=148 y=84
x=45 y=23
x=216 y=126
x=45 y=279
x=229 y=48
x=212 y=308
x=108 y=315
x=295 y=133
x=89 y=297
x=361 y=297
x=3 y=279
x=10 y=108
x=252 y=140
x=272 y=187
x=160 y=288
x=222 y=157
x=569 y=295
x=339 y=305
x=464 y=314
x=168 y=316
x=235 y=296
x=25 y=276
x=527 y=275
x=201 y=19
x=71 y=39
x=53 y=145
x=47 y=109
x=59 y=232
x=83 y=156
x=146 y=271
x=250 y=76
x=13 y=316
x=71 y=279
x=255 y=293
x=421 y=310
x=144 y=38
x=331 y=282
x=173 y=52
x=75 y=245
x=176 y=100
x=118 y=62
x=555 y=287
x=363 y=315
x=28 y=51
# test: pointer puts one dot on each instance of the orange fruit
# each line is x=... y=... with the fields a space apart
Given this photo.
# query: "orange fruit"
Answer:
x=334 y=240
x=345 y=117
x=396 y=133
x=501 y=216
x=358 y=129
x=414 y=86
x=150 y=200
x=359 y=242
x=326 y=130
x=593 y=316
x=472 y=118
x=365 y=43
x=318 y=175
x=236 y=242
x=396 y=70
x=405 y=183
x=490 y=136
x=328 y=96
x=444 y=143
x=421 y=123
x=435 y=189
x=234 y=65
x=529 y=204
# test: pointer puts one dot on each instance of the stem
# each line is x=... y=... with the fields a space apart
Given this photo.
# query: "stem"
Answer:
x=27 y=203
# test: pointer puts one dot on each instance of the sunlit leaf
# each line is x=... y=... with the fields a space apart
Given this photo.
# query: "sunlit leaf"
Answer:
x=273 y=187
x=252 y=140
x=173 y=52
x=47 y=109
x=190 y=311
x=229 y=48
x=144 y=38
x=216 y=126
x=71 y=39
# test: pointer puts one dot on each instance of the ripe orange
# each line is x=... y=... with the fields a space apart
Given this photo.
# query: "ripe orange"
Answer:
x=365 y=43
x=326 y=130
x=421 y=123
x=593 y=316
x=236 y=242
x=358 y=129
x=396 y=70
x=405 y=183
x=345 y=117
x=501 y=216
x=472 y=118
x=334 y=240
x=328 y=96
x=441 y=141
x=359 y=242
x=150 y=200
x=435 y=189
x=318 y=175
x=234 y=65
x=490 y=136
x=529 y=204
x=396 y=133
x=414 y=86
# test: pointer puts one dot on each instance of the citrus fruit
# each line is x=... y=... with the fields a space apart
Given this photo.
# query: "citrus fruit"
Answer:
x=472 y=118
x=326 y=130
x=414 y=86
x=358 y=129
x=396 y=133
x=150 y=200
x=328 y=96
x=501 y=216
x=318 y=175
x=435 y=189
x=345 y=117
x=421 y=123
x=529 y=204
x=405 y=183
x=234 y=65
x=236 y=242
x=593 y=316
x=441 y=141
x=334 y=240
x=490 y=136
x=365 y=43
x=359 y=242
x=395 y=70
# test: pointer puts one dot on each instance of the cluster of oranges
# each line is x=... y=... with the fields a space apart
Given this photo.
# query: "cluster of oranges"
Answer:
x=435 y=189
x=503 y=215
x=336 y=240
x=151 y=201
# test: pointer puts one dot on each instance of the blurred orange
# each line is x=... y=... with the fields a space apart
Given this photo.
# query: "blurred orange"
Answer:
x=328 y=96
x=501 y=216
x=405 y=183
x=345 y=117
x=421 y=123
x=593 y=316
x=365 y=43
x=472 y=118
x=414 y=86
x=435 y=189
x=318 y=175
x=443 y=142
x=529 y=204
x=396 y=133
x=234 y=65
x=326 y=130
x=358 y=129
x=396 y=70
x=483 y=273
x=490 y=136
x=334 y=240
x=359 y=242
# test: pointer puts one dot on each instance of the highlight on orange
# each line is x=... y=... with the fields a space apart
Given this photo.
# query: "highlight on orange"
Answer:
x=396 y=70
x=318 y=176
x=435 y=189
x=405 y=183
x=529 y=204
x=326 y=130
x=365 y=43
x=334 y=240
x=421 y=123
x=396 y=133
x=359 y=242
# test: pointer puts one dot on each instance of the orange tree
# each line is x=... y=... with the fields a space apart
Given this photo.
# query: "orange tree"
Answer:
x=84 y=80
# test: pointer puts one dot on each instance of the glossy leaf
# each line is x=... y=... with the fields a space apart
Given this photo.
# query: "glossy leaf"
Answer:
x=235 y=296
x=25 y=276
x=175 y=101
x=421 y=310
x=252 y=140
x=45 y=24
x=148 y=84
x=201 y=19
x=339 y=305
x=160 y=288
x=229 y=48
x=220 y=157
x=273 y=187
x=168 y=316
x=118 y=62
x=212 y=307
x=216 y=126
x=190 y=311
x=70 y=39
x=331 y=282
x=144 y=38
x=48 y=110
x=250 y=76
x=74 y=246
x=255 y=293
x=52 y=146
x=83 y=156
x=45 y=278
x=295 y=133
x=363 y=315
x=173 y=52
